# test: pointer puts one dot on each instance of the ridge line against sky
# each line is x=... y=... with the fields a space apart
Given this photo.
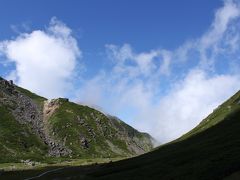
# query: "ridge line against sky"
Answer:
x=165 y=92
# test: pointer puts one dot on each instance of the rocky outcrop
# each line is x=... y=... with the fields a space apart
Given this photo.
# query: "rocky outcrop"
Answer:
x=56 y=148
x=137 y=142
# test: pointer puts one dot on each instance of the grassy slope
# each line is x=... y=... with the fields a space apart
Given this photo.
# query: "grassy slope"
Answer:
x=140 y=137
x=37 y=99
x=64 y=122
x=206 y=153
x=218 y=115
x=16 y=140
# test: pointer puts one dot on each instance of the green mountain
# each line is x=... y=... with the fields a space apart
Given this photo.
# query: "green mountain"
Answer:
x=32 y=127
x=210 y=151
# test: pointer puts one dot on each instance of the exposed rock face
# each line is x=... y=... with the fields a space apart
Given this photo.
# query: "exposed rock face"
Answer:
x=28 y=112
x=56 y=148
x=84 y=142
x=138 y=143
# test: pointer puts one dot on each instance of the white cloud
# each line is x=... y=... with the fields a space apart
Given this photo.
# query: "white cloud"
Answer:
x=222 y=37
x=215 y=36
x=187 y=103
x=223 y=17
x=139 y=64
x=45 y=59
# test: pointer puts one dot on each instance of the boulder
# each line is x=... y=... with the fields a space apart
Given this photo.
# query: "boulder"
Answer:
x=1 y=171
x=84 y=142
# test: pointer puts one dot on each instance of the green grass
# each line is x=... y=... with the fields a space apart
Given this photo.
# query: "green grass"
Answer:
x=36 y=98
x=17 y=141
x=54 y=163
x=21 y=171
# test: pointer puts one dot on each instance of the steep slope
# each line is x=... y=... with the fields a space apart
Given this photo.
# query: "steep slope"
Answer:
x=17 y=141
x=61 y=128
x=17 y=138
x=221 y=113
x=139 y=142
x=90 y=133
x=209 y=151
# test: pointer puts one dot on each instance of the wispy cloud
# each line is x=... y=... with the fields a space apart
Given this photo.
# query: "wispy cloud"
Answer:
x=139 y=64
x=19 y=28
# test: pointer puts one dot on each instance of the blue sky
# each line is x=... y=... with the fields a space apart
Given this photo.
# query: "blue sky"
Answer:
x=146 y=62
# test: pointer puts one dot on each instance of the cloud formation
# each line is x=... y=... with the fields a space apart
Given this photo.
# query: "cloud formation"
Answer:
x=167 y=93
x=45 y=60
